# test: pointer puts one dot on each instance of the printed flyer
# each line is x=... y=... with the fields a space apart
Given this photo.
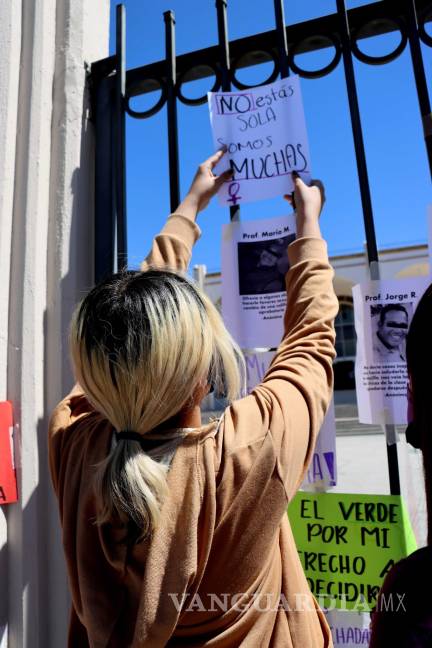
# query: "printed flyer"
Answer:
x=254 y=265
x=383 y=311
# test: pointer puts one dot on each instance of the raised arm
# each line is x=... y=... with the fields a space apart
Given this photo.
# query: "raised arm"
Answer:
x=291 y=401
x=172 y=248
x=299 y=381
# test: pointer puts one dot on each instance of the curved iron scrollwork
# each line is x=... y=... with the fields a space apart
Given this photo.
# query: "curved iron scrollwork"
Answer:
x=425 y=37
x=145 y=114
x=266 y=52
x=269 y=55
x=385 y=58
x=318 y=40
x=183 y=78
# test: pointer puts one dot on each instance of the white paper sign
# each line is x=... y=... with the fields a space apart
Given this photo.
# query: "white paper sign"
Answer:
x=264 y=131
x=321 y=473
x=349 y=629
x=254 y=265
x=383 y=311
x=257 y=364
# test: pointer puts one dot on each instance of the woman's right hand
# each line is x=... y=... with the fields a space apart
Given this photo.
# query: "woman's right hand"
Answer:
x=309 y=201
x=204 y=186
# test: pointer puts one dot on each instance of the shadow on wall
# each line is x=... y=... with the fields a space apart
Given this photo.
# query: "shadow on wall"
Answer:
x=29 y=555
x=3 y=570
x=32 y=557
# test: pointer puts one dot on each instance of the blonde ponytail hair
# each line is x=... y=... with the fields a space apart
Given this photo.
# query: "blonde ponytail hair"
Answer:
x=141 y=344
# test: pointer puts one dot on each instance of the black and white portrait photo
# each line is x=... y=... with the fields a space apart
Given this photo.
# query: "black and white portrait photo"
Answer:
x=390 y=324
x=383 y=312
x=263 y=266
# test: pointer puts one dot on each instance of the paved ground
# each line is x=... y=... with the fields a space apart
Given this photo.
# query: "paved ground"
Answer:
x=347 y=422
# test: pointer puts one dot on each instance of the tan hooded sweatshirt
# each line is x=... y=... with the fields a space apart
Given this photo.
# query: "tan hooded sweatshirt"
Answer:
x=221 y=570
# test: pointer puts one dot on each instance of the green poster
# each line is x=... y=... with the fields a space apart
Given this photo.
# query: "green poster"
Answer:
x=348 y=543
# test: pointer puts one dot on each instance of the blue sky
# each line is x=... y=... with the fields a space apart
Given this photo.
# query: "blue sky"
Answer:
x=398 y=169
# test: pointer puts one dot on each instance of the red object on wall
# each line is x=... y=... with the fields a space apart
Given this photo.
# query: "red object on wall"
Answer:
x=8 y=485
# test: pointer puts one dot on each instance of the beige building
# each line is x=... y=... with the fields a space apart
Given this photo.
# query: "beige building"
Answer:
x=350 y=269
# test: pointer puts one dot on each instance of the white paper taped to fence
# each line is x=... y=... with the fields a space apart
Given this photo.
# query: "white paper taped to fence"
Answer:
x=254 y=265
x=264 y=131
x=383 y=311
x=322 y=469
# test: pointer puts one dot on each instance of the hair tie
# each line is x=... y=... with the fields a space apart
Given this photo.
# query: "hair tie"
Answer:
x=128 y=435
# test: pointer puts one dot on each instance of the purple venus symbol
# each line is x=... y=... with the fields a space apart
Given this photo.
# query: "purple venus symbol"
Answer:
x=233 y=191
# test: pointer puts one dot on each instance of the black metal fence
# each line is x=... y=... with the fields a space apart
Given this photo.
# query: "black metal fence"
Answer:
x=114 y=86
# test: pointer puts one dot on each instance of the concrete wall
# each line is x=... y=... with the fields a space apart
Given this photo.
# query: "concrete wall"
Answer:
x=46 y=261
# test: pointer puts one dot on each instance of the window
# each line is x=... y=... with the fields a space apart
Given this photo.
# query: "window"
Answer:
x=345 y=332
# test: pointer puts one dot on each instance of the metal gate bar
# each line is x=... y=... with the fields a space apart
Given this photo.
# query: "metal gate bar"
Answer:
x=173 y=149
x=420 y=77
x=371 y=243
x=119 y=181
x=281 y=38
x=225 y=63
x=308 y=36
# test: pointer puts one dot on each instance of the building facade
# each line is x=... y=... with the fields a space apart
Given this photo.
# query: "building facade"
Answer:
x=46 y=263
x=350 y=269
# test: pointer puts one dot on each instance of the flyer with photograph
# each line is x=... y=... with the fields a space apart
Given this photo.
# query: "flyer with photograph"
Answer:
x=383 y=311
x=264 y=132
x=321 y=473
x=254 y=265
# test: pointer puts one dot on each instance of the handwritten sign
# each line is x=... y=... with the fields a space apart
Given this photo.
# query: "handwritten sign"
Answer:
x=350 y=629
x=254 y=265
x=348 y=543
x=8 y=487
x=257 y=363
x=264 y=132
x=322 y=472
x=383 y=311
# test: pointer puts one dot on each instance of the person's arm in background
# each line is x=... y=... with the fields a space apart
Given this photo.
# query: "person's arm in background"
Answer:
x=172 y=248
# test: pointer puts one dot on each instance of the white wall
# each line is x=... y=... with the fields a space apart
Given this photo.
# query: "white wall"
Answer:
x=392 y=262
x=10 y=45
x=46 y=180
